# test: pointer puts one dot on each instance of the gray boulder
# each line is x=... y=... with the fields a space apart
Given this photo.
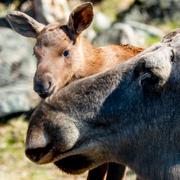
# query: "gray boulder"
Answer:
x=129 y=32
x=145 y=11
x=17 y=67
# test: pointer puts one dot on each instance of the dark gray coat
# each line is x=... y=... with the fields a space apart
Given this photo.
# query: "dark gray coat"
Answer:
x=128 y=115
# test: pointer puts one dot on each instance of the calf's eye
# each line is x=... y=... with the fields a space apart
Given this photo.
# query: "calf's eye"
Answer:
x=66 y=53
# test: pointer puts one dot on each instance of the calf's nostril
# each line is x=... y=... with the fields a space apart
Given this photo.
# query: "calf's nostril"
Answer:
x=43 y=87
x=38 y=86
x=50 y=84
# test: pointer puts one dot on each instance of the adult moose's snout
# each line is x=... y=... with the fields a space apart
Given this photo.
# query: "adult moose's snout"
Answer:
x=37 y=146
x=44 y=85
x=49 y=134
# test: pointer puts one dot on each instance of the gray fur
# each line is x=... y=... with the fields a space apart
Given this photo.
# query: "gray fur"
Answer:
x=128 y=115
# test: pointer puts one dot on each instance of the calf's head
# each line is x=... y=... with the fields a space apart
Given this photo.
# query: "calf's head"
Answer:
x=58 y=47
x=116 y=116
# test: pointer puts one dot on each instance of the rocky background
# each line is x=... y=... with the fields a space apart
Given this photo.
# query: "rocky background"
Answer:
x=17 y=67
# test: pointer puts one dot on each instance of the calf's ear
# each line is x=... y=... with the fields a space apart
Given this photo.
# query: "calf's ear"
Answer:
x=24 y=24
x=80 y=18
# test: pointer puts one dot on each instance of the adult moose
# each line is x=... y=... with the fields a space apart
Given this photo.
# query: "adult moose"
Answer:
x=127 y=115
x=63 y=55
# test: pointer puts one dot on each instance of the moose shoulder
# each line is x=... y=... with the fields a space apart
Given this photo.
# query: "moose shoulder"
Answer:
x=127 y=115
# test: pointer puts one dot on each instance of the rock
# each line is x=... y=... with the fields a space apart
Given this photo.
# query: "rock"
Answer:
x=17 y=97
x=117 y=34
x=145 y=11
x=17 y=68
x=101 y=21
x=129 y=32
x=48 y=11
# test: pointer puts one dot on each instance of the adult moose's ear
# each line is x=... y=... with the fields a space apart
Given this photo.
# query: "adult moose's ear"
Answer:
x=153 y=70
x=24 y=24
x=80 y=18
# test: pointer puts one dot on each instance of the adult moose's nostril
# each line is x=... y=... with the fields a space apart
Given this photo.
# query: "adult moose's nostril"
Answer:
x=36 y=154
x=37 y=145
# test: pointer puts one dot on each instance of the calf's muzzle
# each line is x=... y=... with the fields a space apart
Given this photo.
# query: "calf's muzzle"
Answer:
x=44 y=85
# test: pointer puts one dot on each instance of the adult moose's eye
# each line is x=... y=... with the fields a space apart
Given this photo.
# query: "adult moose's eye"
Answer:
x=66 y=53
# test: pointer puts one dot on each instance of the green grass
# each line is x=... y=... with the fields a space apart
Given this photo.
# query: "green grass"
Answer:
x=166 y=27
x=170 y=25
x=152 y=40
